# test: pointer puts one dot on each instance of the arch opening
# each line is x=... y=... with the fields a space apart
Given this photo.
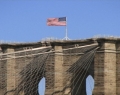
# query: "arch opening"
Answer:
x=41 y=86
x=89 y=85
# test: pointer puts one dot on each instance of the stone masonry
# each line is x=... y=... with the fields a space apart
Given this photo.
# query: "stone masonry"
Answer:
x=105 y=69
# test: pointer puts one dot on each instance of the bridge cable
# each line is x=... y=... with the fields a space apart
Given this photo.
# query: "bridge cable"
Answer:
x=73 y=69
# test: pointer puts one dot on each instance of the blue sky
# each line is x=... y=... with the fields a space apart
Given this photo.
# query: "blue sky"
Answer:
x=25 y=20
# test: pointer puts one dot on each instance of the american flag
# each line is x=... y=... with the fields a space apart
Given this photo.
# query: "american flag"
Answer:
x=56 y=21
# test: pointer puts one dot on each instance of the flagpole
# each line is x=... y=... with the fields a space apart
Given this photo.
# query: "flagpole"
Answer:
x=66 y=30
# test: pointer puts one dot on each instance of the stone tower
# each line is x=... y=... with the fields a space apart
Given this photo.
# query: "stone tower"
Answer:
x=17 y=79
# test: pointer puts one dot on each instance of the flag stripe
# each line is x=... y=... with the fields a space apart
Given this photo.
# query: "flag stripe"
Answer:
x=56 y=21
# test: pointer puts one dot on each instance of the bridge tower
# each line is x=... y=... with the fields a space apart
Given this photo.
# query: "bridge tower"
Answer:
x=22 y=66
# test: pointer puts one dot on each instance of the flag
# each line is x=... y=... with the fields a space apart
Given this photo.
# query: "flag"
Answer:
x=56 y=21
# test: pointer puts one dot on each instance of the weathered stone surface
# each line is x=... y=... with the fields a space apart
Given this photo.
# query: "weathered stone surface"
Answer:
x=105 y=68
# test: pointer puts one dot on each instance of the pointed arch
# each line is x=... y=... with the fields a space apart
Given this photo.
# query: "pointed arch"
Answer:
x=41 y=86
x=89 y=85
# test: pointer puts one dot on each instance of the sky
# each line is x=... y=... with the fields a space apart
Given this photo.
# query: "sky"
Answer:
x=25 y=20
